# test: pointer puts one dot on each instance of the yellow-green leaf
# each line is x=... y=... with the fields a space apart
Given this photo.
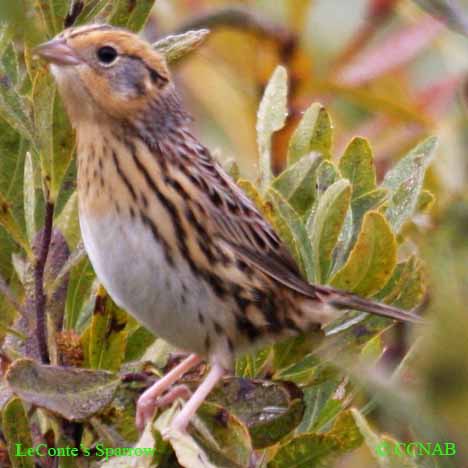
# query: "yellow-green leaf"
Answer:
x=346 y=431
x=15 y=427
x=357 y=165
x=372 y=259
x=406 y=287
x=271 y=116
x=297 y=182
x=326 y=226
x=314 y=133
x=107 y=335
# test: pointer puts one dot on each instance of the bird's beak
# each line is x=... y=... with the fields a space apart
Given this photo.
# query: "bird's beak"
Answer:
x=58 y=52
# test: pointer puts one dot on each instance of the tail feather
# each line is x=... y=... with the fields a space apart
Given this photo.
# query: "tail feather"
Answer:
x=343 y=300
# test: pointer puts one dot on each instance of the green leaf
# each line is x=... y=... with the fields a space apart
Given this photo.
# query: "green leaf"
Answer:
x=177 y=46
x=314 y=133
x=29 y=195
x=302 y=372
x=326 y=227
x=138 y=341
x=252 y=364
x=305 y=451
x=53 y=13
x=9 y=223
x=346 y=431
x=44 y=96
x=406 y=286
x=352 y=225
x=130 y=14
x=229 y=441
x=107 y=336
x=94 y=11
x=327 y=174
x=297 y=182
x=13 y=107
x=291 y=350
x=321 y=404
x=270 y=410
x=372 y=259
x=79 y=294
x=15 y=427
x=405 y=183
x=73 y=393
x=318 y=450
x=291 y=229
x=271 y=117
x=369 y=201
x=357 y=165
x=321 y=395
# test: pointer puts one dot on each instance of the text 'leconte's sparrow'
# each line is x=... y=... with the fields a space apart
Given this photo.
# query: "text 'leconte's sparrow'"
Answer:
x=171 y=237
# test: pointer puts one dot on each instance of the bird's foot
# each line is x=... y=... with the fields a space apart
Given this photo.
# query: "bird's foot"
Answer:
x=147 y=404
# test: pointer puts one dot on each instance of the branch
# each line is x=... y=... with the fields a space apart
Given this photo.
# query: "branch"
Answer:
x=245 y=20
x=40 y=297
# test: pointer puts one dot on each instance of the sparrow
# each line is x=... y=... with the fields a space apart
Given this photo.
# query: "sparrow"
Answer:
x=170 y=235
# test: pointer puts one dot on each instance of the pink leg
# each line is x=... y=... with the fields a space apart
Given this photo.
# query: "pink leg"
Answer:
x=181 y=421
x=147 y=402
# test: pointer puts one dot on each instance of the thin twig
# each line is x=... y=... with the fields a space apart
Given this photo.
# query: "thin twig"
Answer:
x=10 y=296
x=40 y=296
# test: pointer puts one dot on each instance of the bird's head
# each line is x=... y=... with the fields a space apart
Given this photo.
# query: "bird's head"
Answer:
x=101 y=70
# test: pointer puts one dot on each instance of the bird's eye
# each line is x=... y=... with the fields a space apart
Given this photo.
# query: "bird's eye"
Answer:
x=106 y=55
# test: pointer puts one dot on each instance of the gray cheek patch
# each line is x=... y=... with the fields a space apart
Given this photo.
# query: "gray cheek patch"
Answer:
x=128 y=78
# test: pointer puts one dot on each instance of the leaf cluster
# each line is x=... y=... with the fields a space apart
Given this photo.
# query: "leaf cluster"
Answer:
x=342 y=227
